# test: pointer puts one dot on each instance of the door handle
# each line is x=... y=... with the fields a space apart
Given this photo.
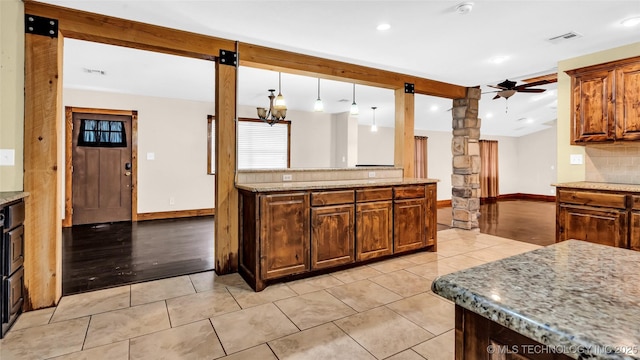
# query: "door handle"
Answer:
x=127 y=166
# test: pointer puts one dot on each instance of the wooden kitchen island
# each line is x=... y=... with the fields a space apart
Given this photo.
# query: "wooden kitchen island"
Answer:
x=570 y=300
x=295 y=229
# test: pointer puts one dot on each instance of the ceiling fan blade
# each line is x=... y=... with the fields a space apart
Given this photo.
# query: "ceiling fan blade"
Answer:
x=491 y=92
x=496 y=97
x=496 y=87
x=539 y=82
x=531 y=90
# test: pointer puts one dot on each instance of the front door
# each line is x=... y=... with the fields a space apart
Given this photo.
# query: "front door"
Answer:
x=101 y=168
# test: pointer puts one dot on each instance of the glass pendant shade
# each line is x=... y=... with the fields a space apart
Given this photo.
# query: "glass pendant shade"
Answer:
x=374 y=127
x=280 y=104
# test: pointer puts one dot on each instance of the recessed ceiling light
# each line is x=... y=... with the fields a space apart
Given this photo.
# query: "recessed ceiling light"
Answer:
x=434 y=107
x=530 y=121
x=489 y=115
x=383 y=27
x=499 y=59
x=632 y=21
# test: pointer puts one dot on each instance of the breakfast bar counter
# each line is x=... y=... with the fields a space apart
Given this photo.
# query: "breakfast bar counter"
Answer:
x=300 y=228
x=573 y=299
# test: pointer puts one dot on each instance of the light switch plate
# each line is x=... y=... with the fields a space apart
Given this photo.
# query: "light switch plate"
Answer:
x=576 y=159
x=151 y=156
x=7 y=157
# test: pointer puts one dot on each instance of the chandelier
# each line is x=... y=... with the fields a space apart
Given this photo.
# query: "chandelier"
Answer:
x=277 y=107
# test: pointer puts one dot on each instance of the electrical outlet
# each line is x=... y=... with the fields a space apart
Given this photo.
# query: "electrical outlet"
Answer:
x=7 y=157
x=372 y=174
x=287 y=177
x=172 y=200
x=576 y=159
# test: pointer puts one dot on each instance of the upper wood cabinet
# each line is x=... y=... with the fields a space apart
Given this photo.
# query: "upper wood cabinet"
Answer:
x=605 y=102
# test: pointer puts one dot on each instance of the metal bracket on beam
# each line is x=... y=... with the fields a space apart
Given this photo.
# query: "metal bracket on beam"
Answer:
x=408 y=88
x=227 y=57
x=39 y=25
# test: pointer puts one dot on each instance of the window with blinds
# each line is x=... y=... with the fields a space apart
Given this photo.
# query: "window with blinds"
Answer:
x=260 y=145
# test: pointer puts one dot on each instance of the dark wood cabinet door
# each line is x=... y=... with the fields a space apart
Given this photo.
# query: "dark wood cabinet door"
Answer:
x=284 y=234
x=431 y=215
x=332 y=236
x=627 y=100
x=374 y=229
x=634 y=233
x=593 y=117
x=597 y=225
x=409 y=230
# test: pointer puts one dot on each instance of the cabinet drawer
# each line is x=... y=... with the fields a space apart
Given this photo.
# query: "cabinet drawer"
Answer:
x=408 y=192
x=322 y=198
x=365 y=195
x=12 y=250
x=14 y=215
x=617 y=201
x=635 y=202
x=14 y=297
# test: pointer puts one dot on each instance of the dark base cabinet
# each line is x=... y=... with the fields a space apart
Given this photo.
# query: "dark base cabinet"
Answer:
x=11 y=261
x=478 y=338
x=292 y=234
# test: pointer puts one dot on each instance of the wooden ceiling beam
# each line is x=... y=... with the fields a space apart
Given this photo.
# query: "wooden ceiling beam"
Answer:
x=105 y=29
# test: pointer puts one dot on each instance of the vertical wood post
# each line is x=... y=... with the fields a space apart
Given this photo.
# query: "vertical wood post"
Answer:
x=404 y=152
x=42 y=133
x=226 y=202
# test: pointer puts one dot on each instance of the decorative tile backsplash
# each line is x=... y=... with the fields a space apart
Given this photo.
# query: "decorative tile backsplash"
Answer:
x=615 y=163
x=271 y=176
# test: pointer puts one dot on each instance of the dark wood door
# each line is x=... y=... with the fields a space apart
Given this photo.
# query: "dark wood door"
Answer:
x=284 y=234
x=374 y=229
x=332 y=236
x=597 y=225
x=593 y=106
x=101 y=168
x=628 y=102
x=409 y=230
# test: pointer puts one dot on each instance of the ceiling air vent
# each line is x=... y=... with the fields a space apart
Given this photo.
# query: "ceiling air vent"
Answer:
x=568 y=36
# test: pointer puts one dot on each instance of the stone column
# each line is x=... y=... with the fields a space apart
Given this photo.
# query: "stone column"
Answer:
x=465 y=180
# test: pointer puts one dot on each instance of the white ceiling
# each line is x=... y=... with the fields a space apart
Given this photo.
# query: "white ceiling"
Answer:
x=427 y=38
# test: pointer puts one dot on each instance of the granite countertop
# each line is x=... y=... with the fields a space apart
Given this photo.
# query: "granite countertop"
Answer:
x=9 y=196
x=331 y=184
x=357 y=168
x=589 y=185
x=573 y=293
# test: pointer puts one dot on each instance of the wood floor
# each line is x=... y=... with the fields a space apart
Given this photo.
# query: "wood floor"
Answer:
x=532 y=222
x=107 y=255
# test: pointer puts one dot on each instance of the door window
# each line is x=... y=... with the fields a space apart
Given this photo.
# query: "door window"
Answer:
x=102 y=133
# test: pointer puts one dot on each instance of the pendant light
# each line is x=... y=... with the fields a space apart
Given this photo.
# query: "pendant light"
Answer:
x=277 y=109
x=354 y=106
x=318 y=106
x=374 y=127
x=280 y=103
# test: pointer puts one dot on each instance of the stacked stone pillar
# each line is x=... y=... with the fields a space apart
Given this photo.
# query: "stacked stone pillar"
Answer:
x=465 y=149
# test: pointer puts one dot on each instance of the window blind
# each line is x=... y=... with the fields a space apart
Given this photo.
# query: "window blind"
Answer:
x=260 y=146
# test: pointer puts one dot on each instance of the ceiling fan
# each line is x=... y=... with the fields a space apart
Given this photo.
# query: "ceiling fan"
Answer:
x=508 y=88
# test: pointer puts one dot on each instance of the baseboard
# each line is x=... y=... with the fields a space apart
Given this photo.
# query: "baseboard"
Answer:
x=521 y=196
x=515 y=196
x=175 y=214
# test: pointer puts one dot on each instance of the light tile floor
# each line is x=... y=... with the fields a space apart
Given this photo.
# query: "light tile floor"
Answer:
x=383 y=310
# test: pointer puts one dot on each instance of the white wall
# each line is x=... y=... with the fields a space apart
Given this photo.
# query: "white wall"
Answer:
x=537 y=162
x=11 y=94
x=176 y=132
x=375 y=148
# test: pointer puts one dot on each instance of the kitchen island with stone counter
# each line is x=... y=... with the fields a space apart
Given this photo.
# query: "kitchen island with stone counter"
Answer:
x=571 y=300
x=300 y=228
